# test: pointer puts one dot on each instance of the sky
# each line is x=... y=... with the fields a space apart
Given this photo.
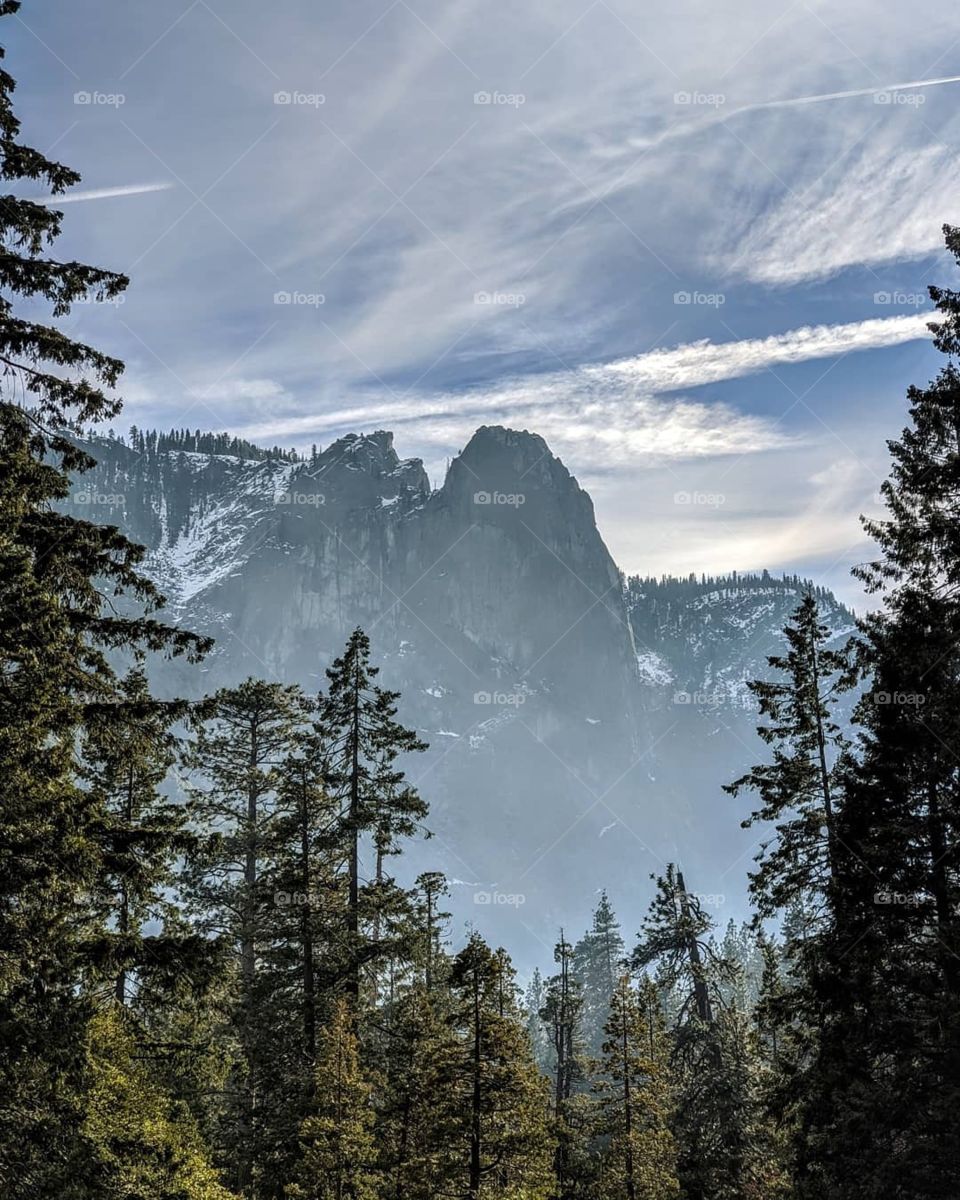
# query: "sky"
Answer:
x=688 y=244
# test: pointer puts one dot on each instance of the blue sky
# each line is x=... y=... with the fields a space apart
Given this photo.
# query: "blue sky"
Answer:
x=687 y=244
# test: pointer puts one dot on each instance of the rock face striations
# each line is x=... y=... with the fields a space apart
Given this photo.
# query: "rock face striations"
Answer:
x=567 y=708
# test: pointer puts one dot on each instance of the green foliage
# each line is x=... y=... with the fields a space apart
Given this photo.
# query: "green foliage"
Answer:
x=339 y=1158
x=635 y=1103
x=148 y=1147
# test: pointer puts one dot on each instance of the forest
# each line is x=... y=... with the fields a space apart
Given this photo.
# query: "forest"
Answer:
x=213 y=984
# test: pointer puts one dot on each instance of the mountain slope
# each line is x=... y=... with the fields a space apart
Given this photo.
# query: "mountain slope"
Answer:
x=580 y=725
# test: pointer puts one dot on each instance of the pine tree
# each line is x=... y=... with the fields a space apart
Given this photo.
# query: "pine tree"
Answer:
x=417 y=1122
x=145 y=1145
x=634 y=1099
x=500 y=1145
x=562 y=1014
x=598 y=962
x=55 y=635
x=236 y=761
x=880 y=1096
x=798 y=789
x=717 y=1125
x=127 y=751
x=365 y=742
x=339 y=1160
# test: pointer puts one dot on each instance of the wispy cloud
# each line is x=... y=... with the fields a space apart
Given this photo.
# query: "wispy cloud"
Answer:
x=888 y=205
x=624 y=412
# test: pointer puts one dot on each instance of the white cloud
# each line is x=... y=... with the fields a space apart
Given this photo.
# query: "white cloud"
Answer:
x=617 y=413
x=888 y=205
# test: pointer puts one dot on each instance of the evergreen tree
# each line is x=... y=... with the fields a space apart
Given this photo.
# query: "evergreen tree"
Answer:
x=236 y=761
x=339 y=1160
x=878 y=1101
x=365 y=742
x=717 y=1125
x=798 y=790
x=598 y=963
x=127 y=750
x=55 y=636
x=418 y=1123
x=145 y=1145
x=634 y=1099
x=500 y=1145
x=562 y=1014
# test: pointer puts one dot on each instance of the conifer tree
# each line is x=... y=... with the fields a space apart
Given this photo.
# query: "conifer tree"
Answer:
x=598 y=963
x=798 y=789
x=501 y=1146
x=236 y=762
x=145 y=1145
x=562 y=1014
x=339 y=1159
x=877 y=1103
x=365 y=742
x=127 y=751
x=56 y=633
x=717 y=1122
x=634 y=1099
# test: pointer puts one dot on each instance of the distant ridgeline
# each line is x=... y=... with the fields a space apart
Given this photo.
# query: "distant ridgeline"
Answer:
x=702 y=630
x=154 y=483
x=152 y=442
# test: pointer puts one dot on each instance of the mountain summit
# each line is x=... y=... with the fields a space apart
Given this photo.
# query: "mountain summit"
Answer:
x=568 y=709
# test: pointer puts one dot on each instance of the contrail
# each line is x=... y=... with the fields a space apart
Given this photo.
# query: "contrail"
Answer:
x=824 y=96
x=130 y=189
x=720 y=118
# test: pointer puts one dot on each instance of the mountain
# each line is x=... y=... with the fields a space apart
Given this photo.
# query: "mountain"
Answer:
x=581 y=724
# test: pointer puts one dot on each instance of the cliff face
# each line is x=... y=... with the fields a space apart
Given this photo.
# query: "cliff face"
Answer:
x=580 y=727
